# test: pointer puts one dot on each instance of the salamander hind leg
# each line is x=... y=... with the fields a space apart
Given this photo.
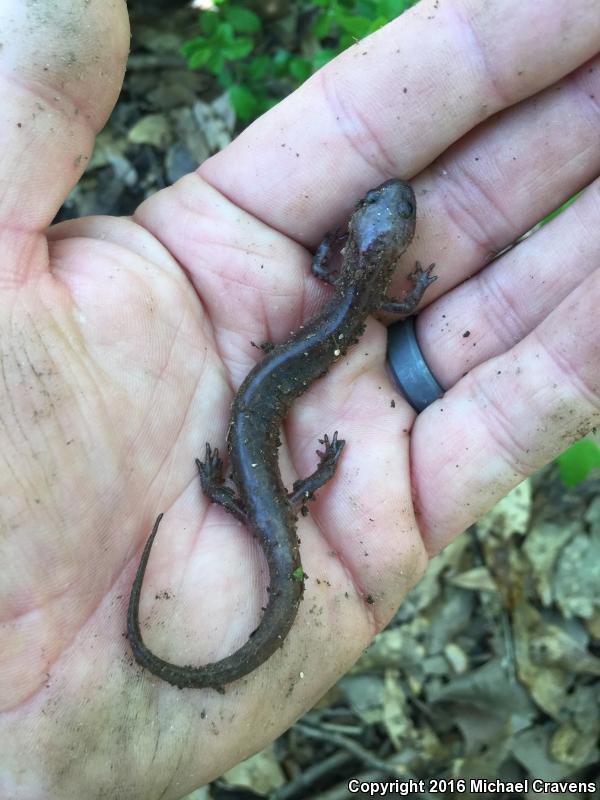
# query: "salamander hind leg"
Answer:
x=305 y=488
x=421 y=279
x=213 y=483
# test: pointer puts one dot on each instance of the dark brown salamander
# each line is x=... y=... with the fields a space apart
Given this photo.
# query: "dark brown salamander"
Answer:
x=380 y=228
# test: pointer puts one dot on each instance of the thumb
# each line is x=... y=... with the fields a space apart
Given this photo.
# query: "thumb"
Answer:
x=61 y=69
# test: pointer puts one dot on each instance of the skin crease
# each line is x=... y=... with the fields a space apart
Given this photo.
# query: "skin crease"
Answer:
x=124 y=340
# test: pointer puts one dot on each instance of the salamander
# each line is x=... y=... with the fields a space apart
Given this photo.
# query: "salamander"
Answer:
x=379 y=230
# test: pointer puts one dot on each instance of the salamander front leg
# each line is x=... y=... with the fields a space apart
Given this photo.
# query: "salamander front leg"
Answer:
x=304 y=489
x=421 y=279
x=213 y=484
x=320 y=266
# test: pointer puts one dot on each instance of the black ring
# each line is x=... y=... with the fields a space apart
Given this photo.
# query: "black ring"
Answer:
x=409 y=368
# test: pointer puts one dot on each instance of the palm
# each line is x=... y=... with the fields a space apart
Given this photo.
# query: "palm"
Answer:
x=135 y=376
x=123 y=340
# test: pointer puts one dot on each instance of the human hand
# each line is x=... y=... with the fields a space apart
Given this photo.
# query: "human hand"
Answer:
x=123 y=340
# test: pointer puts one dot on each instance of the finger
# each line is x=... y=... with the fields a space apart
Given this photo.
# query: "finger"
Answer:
x=389 y=105
x=476 y=199
x=54 y=99
x=488 y=314
x=495 y=184
x=507 y=418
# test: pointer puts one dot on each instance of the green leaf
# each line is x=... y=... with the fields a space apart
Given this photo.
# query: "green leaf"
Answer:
x=576 y=463
x=366 y=8
x=254 y=70
x=190 y=47
x=239 y=48
x=323 y=57
x=242 y=19
x=390 y=9
x=280 y=57
x=259 y=68
x=199 y=58
x=298 y=574
x=378 y=23
x=225 y=78
x=356 y=26
x=224 y=34
x=267 y=103
x=209 y=22
x=323 y=24
x=300 y=69
x=243 y=101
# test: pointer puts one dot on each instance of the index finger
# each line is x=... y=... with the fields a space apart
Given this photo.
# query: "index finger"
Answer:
x=390 y=104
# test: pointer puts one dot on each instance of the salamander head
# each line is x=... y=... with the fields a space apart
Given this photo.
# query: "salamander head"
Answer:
x=379 y=230
x=385 y=218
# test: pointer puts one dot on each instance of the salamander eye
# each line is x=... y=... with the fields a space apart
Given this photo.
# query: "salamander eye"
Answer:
x=372 y=196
